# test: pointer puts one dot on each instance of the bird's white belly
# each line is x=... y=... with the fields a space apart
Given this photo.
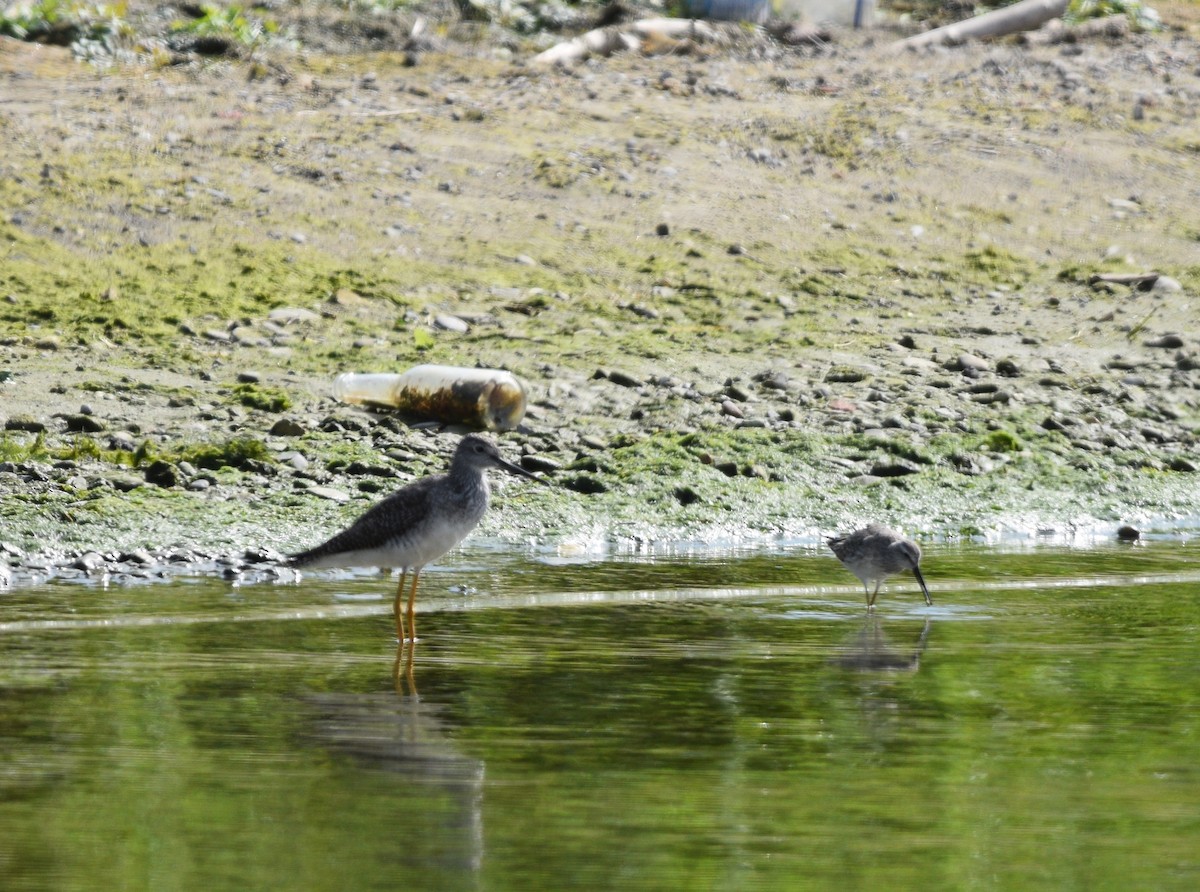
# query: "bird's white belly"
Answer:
x=432 y=541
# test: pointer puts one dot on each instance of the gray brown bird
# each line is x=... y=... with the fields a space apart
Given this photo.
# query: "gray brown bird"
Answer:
x=418 y=523
x=876 y=552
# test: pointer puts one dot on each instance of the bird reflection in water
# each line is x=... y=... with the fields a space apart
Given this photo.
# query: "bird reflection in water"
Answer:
x=402 y=668
x=869 y=650
x=412 y=739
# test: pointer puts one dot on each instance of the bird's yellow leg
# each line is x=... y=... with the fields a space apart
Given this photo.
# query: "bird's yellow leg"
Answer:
x=874 y=595
x=396 y=607
x=412 y=597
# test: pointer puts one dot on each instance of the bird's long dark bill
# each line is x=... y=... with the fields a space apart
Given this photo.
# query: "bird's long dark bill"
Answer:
x=521 y=472
x=924 y=587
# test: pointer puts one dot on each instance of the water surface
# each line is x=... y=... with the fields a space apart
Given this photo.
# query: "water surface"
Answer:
x=714 y=722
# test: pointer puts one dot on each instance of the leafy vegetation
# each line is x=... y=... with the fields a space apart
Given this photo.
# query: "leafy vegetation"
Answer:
x=90 y=29
x=228 y=23
x=268 y=399
x=1139 y=14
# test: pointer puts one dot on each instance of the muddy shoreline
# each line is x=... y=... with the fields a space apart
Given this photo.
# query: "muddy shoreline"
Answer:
x=755 y=295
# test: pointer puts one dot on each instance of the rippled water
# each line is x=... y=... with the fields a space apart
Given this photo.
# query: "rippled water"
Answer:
x=689 y=723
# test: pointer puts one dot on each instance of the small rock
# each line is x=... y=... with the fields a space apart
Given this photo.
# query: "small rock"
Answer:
x=1166 y=283
x=84 y=424
x=539 y=463
x=293 y=460
x=844 y=374
x=685 y=495
x=162 y=473
x=1181 y=464
x=88 y=562
x=662 y=229
x=1008 y=368
x=287 y=427
x=894 y=469
x=732 y=409
x=1167 y=342
x=446 y=322
x=999 y=396
x=586 y=484
x=248 y=377
x=968 y=362
x=24 y=423
x=328 y=492
x=624 y=380
x=290 y=315
x=1128 y=534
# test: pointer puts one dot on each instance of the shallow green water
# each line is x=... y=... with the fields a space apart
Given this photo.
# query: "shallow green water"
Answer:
x=675 y=723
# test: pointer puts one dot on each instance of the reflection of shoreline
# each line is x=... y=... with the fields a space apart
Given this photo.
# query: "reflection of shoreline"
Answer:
x=869 y=649
x=407 y=737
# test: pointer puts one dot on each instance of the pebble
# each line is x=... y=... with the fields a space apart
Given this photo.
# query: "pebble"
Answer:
x=843 y=374
x=288 y=427
x=24 y=423
x=624 y=380
x=894 y=469
x=330 y=493
x=161 y=473
x=446 y=322
x=88 y=562
x=292 y=315
x=539 y=463
x=967 y=362
x=84 y=424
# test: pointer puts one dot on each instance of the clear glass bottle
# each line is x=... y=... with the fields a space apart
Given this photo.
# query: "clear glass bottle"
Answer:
x=486 y=398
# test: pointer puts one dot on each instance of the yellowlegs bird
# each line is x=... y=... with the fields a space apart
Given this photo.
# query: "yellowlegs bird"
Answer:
x=876 y=552
x=418 y=523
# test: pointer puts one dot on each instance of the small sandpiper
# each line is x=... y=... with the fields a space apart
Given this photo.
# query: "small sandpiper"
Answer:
x=418 y=523
x=876 y=552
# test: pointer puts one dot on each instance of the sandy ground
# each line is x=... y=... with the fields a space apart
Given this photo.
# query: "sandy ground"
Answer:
x=805 y=239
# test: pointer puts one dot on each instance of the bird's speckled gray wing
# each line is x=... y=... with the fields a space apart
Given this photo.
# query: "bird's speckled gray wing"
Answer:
x=382 y=523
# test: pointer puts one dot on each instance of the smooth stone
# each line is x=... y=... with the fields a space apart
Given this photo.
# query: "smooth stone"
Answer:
x=328 y=492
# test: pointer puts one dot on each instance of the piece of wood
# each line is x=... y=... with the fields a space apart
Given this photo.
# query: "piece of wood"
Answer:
x=1023 y=16
x=606 y=41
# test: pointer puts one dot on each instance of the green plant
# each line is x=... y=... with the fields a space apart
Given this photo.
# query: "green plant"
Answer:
x=238 y=452
x=230 y=22
x=1141 y=16
x=1003 y=441
x=268 y=399
x=90 y=29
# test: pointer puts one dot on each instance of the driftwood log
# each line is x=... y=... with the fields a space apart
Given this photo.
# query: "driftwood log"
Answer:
x=1023 y=16
x=606 y=41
